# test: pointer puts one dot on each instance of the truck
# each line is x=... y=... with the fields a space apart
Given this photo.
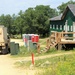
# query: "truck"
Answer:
x=4 y=40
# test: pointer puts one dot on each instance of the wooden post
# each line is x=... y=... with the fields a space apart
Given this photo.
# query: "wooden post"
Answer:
x=56 y=37
x=59 y=46
x=47 y=43
x=32 y=58
x=62 y=34
x=38 y=48
x=59 y=37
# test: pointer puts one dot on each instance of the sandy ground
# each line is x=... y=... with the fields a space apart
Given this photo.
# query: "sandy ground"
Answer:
x=7 y=67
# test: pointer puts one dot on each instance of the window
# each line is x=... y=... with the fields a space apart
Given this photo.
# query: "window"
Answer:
x=57 y=26
x=60 y=27
x=50 y=26
x=53 y=26
x=64 y=27
x=68 y=28
x=71 y=28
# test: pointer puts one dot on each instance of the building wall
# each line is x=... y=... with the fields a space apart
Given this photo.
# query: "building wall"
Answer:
x=59 y=25
x=56 y=25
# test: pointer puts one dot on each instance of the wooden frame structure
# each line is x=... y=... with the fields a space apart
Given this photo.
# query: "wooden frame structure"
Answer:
x=59 y=40
x=62 y=38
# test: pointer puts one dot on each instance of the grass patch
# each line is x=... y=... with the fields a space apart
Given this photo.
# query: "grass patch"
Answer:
x=58 y=65
x=62 y=65
x=23 y=64
x=24 y=52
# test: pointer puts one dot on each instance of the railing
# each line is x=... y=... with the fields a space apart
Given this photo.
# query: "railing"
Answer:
x=68 y=35
x=63 y=35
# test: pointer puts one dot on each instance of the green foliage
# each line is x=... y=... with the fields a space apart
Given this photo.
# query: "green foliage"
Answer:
x=60 y=67
x=6 y=21
x=52 y=50
x=62 y=7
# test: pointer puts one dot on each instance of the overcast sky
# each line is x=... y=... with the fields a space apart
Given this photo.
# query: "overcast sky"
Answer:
x=14 y=6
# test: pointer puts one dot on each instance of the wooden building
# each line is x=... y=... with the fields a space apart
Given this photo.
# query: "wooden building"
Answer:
x=64 y=22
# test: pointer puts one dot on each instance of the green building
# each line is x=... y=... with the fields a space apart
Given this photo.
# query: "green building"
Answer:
x=64 y=22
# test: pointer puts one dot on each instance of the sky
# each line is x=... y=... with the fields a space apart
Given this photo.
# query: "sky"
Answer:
x=14 y=6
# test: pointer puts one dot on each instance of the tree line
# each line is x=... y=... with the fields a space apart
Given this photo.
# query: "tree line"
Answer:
x=33 y=20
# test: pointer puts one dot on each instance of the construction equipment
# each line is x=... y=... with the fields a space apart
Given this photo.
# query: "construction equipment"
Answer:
x=4 y=40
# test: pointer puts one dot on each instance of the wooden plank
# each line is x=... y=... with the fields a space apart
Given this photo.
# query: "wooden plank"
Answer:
x=67 y=42
x=67 y=32
x=67 y=37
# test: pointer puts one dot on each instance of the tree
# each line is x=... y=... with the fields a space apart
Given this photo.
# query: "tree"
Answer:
x=62 y=7
x=2 y=19
x=19 y=23
x=13 y=27
x=6 y=21
x=30 y=21
x=36 y=19
x=43 y=14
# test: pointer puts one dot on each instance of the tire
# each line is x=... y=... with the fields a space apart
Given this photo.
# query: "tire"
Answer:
x=5 y=51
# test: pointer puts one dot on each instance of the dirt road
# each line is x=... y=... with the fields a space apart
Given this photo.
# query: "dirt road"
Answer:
x=7 y=67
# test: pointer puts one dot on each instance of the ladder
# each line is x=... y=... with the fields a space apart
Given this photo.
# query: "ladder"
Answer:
x=51 y=43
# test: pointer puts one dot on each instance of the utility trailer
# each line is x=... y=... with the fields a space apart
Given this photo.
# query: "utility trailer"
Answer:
x=4 y=40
